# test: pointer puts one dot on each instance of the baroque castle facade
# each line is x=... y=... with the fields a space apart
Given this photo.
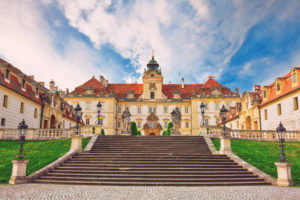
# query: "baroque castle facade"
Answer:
x=151 y=100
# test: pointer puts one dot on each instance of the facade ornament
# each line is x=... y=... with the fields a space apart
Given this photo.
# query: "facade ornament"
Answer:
x=126 y=121
x=176 y=118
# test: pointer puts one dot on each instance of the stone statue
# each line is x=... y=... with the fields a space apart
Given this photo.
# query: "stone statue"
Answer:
x=126 y=121
x=176 y=118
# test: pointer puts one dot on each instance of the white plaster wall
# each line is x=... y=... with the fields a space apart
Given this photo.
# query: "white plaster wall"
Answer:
x=289 y=117
x=12 y=112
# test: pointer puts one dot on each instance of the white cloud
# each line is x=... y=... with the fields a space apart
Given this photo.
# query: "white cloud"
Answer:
x=27 y=42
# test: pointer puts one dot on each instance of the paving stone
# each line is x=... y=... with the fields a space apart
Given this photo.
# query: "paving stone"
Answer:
x=49 y=191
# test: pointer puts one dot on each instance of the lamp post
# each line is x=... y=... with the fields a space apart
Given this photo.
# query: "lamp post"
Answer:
x=284 y=175
x=78 y=116
x=22 y=132
x=281 y=135
x=202 y=108
x=99 y=106
x=223 y=115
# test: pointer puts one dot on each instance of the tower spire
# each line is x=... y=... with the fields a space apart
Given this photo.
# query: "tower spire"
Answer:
x=152 y=54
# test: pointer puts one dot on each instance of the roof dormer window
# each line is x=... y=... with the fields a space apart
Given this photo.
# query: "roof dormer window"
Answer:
x=36 y=91
x=23 y=83
x=265 y=93
x=294 y=77
x=278 y=86
x=7 y=74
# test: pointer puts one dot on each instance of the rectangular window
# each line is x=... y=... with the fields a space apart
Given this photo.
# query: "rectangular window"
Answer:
x=165 y=124
x=154 y=124
x=23 y=83
x=22 y=108
x=152 y=95
x=206 y=106
x=279 y=109
x=296 y=105
x=206 y=122
x=217 y=106
x=186 y=109
x=87 y=122
x=3 y=122
x=5 y=101
x=150 y=109
x=35 y=113
x=294 y=77
x=265 y=94
x=150 y=124
x=278 y=86
x=139 y=124
x=186 y=124
x=266 y=114
x=227 y=105
x=165 y=109
x=118 y=124
x=36 y=91
x=7 y=74
x=154 y=110
x=119 y=109
x=101 y=122
x=88 y=106
x=139 y=109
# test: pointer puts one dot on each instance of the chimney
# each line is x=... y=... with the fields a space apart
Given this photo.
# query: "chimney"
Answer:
x=182 y=82
x=256 y=88
x=42 y=83
x=237 y=91
x=31 y=77
x=101 y=79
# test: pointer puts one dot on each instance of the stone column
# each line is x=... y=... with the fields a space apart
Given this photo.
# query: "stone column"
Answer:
x=225 y=144
x=284 y=174
x=76 y=142
x=18 y=174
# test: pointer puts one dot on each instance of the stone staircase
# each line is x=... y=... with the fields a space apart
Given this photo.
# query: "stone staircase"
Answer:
x=147 y=161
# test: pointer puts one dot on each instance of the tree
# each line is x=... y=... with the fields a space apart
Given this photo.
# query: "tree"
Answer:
x=102 y=132
x=133 y=128
x=170 y=125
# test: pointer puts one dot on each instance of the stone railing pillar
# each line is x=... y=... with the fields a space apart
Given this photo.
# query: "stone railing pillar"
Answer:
x=284 y=174
x=225 y=145
x=18 y=172
x=76 y=143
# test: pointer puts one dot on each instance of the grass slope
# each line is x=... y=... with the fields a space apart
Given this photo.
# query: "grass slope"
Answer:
x=263 y=155
x=39 y=154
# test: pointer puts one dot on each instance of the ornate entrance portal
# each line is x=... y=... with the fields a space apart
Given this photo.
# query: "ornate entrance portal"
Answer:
x=152 y=127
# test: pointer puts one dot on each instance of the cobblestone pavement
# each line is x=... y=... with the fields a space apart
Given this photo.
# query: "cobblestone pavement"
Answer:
x=39 y=191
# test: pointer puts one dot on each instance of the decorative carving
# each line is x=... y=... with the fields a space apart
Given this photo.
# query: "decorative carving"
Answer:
x=152 y=86
x=152 y=127
x=126 y=121
x=176 y=118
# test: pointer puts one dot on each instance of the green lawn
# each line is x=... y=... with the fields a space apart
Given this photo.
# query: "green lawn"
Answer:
x=263 y=155
x=39 y=154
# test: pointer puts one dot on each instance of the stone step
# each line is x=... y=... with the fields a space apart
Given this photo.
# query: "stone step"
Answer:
x=150 y=179
x=167 y=160
x=57 y=174
x=217 y=183
x=212 y=165
x=150 y=162
x=202 y=172
x=116 y=168
x=150 y=154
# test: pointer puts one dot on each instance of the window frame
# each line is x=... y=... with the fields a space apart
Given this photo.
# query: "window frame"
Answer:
x=296 y=103
x=5 y=101
x=22 y=108
x=152 y=95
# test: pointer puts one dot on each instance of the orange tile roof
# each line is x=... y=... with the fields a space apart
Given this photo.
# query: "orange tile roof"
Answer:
x=121 y=89
x=285 y=90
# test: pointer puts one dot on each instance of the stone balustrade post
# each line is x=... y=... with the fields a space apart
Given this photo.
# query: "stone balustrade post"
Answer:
x=225 y=145
x=76 y=143
x=284 y=174
x=18 y=172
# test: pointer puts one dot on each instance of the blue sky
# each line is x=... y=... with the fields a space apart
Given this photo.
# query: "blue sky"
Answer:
x=241 y=43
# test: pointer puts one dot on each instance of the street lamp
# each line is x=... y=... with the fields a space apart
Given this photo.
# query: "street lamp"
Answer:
x=202 y=108
x=22 y=132
x=78 y=116
x=99 y=106
x=281 y=135
x=223 y=116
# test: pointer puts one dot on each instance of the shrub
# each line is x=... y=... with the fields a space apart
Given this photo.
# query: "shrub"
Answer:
x=139 y=133
x=133 y=128
x=164 y=133
x=102 y=132
x=170 y=125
